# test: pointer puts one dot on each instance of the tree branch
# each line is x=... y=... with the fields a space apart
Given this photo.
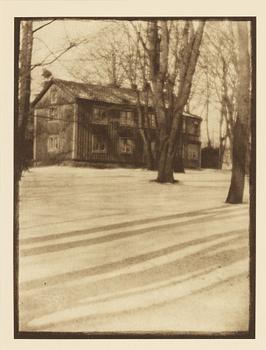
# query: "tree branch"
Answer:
x=56 y=57
x=42 y=26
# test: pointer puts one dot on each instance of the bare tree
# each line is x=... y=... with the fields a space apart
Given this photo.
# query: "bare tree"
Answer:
x=219 y=55
x=21 y=112
x=100 y=60
x=171 y=87
x=241 y=128
x=24 y=94
x=135 y=65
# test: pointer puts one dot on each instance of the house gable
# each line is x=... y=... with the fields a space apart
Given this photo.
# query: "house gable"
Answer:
x=53 y=94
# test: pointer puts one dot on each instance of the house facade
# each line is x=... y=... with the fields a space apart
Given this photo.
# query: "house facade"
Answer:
x=90 y=123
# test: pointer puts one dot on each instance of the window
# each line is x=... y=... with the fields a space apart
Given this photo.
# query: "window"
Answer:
x=193 y=153
x=53 y=114
x=152 y=120
x=98 y=116
x=53 y=95
x=98 y=144
x=184 y=125
x=126 y=145
x=53 y=143
x=194 y=127
x=126 y=118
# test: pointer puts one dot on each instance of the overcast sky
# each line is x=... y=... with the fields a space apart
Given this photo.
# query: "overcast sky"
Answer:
x=54 y=38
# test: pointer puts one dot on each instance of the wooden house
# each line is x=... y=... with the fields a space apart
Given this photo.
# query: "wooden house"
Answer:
x=88 y=123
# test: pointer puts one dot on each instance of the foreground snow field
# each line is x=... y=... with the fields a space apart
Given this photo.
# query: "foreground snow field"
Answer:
x=112 y=251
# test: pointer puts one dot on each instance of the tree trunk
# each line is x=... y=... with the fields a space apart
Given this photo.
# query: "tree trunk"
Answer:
x=167 y=153
x=23 y=68
x=179 y=166
x=145 y=132
x=222 y=139
x=207 y=109
x=166 y=162
x=158 y=53
x=240 y=143
x=24 y=94
x=241 y=127
x=150 y=157
x=221 y=152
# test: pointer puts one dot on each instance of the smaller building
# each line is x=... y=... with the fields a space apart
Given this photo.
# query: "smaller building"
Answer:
x=98 y=124
x=210 y=157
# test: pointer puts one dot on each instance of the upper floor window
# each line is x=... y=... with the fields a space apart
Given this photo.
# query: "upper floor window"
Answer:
x=152 y=120
x=127 y=118
x=99 y=144
x=53 y=95
x=194 y=127
x=126 y=145
x=99 y=116
x=53 y=143
x=53 y=114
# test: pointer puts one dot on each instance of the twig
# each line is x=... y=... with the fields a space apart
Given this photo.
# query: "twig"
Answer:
x=44 y=25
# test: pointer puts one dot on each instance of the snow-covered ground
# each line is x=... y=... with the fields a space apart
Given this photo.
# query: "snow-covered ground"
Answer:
x=112 y=251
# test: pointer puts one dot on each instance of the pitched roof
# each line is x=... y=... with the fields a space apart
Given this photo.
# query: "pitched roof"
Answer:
x=186 y=114
x=100 y=93
x=95 y=92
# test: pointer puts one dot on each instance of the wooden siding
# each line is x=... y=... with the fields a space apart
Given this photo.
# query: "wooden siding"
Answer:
x=75 y=128
x=63 y=128
x=191 y=136
x=111 y=131
x=189 y=162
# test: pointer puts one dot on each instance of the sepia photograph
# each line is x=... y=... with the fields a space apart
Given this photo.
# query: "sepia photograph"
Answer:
x=134 y=177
